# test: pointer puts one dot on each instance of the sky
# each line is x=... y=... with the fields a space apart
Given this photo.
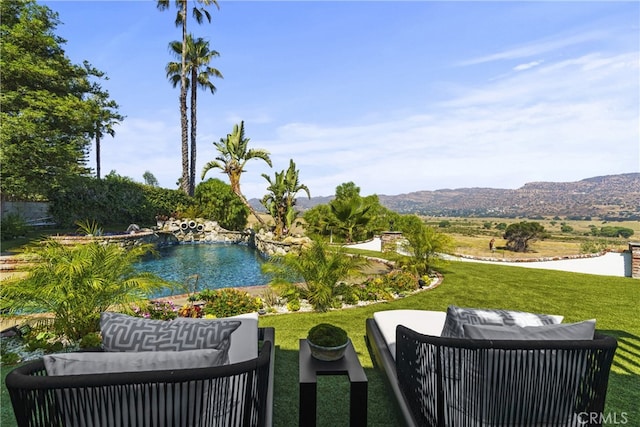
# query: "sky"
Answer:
x=394 y=96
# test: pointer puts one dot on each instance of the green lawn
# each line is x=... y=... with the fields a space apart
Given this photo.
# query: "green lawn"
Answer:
x=612 y=301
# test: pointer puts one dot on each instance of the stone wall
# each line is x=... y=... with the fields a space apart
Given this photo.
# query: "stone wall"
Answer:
x=389 y=240
x=32 y=212
x=201 y=231
x=634 y=248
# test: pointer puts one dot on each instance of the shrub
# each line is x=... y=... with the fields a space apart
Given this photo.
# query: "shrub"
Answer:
x=400 y=281
x=228 y=302
x=13 y=226
x=157 y=310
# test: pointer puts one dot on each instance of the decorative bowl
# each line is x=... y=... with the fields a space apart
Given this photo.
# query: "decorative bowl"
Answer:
x=327 y=354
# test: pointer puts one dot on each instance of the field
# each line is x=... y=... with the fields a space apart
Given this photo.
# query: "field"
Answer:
x=472 y=235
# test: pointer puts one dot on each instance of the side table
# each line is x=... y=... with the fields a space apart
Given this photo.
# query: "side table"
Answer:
x=349 y=365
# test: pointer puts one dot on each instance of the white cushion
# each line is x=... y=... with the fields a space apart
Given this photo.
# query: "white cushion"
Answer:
x=244 y=340
x=109 y=362
x=422 y=321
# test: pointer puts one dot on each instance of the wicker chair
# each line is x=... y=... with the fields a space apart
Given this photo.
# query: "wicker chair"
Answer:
x=463 y=382
x=239 y=394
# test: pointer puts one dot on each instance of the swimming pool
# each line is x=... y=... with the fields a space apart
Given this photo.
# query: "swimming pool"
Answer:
x=217 y=266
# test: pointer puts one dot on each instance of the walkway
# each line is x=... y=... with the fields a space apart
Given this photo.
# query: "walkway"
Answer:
x=609 y=264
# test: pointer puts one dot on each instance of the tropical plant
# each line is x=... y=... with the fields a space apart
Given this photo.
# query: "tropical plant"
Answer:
x=520 y=234
x=76 y=284
x=422 y=243
x=198 y=57
x=217 y=202
x=281 y=199
x=234 y=155
x=322 y=270
x=199 y=13
x=350 y=214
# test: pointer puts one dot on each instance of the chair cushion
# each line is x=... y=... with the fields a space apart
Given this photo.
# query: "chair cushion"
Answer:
x=458 y=316
x=564 y=331
x=422 y=321
x=244 y=340
x=102 y=363
x=121 y=332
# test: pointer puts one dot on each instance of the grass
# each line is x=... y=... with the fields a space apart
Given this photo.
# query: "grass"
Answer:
x=611 y=300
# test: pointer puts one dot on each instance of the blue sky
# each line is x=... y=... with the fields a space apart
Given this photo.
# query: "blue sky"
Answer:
x=394 y=96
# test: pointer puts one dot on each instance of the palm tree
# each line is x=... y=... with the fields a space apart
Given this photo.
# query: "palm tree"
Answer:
x=198 y=58
x=350 y=214
x=181 y=21
x=234 y=155
x=281 y=199
x=104 y=111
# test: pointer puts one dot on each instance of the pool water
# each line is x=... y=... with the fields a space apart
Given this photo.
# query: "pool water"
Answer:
x=217 y=266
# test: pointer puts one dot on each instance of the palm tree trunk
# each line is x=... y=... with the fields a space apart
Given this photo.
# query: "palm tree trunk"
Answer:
x=184 y=125
x=235 y=187
x=98 y=155
x=192 y=169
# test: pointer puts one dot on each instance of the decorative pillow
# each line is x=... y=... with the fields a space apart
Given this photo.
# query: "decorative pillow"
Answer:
x=564 y=331
x=126 y=333
x=457 y=317
x=102 y=363
x=244 y=341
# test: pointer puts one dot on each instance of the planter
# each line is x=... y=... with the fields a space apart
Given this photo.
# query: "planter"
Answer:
x=327 y=354
x=327 y=342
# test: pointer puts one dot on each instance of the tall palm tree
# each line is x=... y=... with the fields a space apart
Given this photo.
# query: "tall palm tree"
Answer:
x=199 y=13
x=198 y=58
x=234 y=155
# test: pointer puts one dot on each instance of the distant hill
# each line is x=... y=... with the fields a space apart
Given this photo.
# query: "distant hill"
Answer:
x=611 y=197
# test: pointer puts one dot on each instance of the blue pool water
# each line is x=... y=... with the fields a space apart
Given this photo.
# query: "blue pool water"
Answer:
x=217 y=265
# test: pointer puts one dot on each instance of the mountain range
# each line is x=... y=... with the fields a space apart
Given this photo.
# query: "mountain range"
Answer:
x=610 y=197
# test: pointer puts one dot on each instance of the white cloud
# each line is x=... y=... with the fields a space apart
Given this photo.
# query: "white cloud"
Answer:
x=528 y=65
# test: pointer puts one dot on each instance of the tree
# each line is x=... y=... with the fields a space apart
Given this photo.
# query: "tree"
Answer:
x=105 y=111
x=216 y=200
x=47 y=114
x=422 y=243
x=77 y=283
x=520 y=234
x=198 y=58
x=350 y=215
x=150 y=179
x=234 y=155
x=199 y=13
x=281 y=199
x=322 y=268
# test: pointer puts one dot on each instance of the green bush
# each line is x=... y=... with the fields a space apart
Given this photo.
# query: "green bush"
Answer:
x=227 y=302
x=114 y=200
x=13 y=226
